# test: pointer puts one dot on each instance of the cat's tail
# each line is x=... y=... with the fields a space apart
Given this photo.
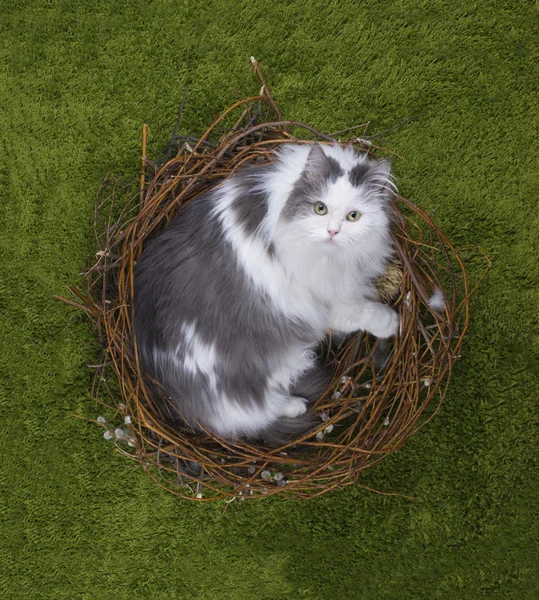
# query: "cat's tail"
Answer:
x=311 y=385
x=286 y=430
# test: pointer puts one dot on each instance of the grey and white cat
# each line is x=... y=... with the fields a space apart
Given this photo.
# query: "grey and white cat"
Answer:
x=234 y=297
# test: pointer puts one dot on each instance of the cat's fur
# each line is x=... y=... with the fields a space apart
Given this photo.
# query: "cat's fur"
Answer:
x=234 y=297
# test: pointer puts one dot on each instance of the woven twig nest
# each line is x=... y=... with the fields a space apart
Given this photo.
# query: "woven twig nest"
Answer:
x=368 y=411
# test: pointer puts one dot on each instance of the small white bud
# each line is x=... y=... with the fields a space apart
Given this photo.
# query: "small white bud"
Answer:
x=265 y=474
x=278 y=476
x=107 y=435
x=101 y=420
x=329 y=428
x=437 y=300
x=320 y=436
x=386 y=421
x=427 y=382
x=121 y=406
x=336 y=395
x=324 y=416
x=251 y=470
x=127 y=419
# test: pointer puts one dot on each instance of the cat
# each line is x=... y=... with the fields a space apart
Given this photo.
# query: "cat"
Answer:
x=234 y=297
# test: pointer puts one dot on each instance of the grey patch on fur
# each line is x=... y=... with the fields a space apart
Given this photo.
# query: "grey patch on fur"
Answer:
x=251 y=205
x=335 y=169
x=250 y=210
x=319 y=171
x=374 y=175
x=301 y=200
x=189 y=276
x=358 y=174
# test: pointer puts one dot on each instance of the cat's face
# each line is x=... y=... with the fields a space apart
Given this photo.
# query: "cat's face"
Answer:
x=338 y=216
x=338 y=208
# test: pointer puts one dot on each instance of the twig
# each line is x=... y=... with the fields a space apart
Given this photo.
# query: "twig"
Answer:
x=349 y=129
x=174 y=137
x=399 y=124
x=180 y=114
x=265 y=87
x=143 y=163
x=426 y=335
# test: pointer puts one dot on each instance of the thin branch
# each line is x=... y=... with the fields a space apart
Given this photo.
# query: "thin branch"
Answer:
x=399 y=124
x=143 y=163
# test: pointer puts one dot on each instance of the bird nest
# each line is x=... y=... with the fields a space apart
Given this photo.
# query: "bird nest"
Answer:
x=368 y=411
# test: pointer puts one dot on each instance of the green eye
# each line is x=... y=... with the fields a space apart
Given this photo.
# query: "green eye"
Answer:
x=353 y=216
x=320 y=208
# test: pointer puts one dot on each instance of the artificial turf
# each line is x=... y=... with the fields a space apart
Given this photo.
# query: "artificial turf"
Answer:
x=77 y=81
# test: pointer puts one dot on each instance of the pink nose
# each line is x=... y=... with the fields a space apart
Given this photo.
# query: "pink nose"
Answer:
x=333 y=232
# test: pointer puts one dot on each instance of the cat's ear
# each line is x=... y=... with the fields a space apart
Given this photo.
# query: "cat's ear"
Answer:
x=319 y=166
x=380 y=176
x=381 y=168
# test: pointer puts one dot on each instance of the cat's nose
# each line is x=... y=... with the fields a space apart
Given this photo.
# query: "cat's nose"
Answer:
x=333 y=232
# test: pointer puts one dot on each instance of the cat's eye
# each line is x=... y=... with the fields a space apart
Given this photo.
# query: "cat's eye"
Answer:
x=353 y=216
x=320 y=208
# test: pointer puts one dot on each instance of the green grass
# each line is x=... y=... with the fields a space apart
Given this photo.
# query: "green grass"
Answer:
x=77 y=81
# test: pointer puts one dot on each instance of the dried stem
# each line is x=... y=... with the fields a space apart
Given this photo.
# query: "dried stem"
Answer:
x=143 y=163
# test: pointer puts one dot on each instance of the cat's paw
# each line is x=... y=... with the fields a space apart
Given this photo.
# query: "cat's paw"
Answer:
x=384 y=321
x=294 y=407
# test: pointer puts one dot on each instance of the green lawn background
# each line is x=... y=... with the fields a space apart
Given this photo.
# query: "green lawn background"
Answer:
x=77 y=81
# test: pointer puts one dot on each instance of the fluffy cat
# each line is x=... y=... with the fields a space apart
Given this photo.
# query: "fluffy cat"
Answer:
x=233 y=298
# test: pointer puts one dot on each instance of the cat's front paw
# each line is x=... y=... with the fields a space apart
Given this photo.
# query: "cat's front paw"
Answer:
x=384 y=321
x=294 y=407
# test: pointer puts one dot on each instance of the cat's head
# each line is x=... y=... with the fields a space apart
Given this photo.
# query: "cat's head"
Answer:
x=340 y=202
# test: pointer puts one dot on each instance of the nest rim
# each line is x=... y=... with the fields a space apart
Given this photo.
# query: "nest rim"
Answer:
x=238 y=470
